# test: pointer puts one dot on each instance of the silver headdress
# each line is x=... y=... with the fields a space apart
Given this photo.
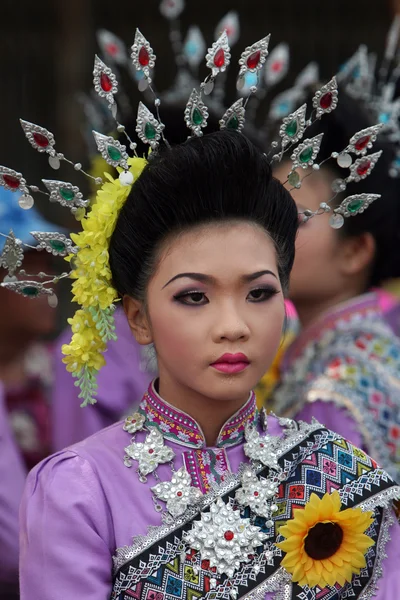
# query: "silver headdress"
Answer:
x=87 y=252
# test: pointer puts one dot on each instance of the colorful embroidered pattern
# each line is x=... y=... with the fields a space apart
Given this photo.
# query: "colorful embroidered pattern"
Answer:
x=207 y=467
x=321 y=463
x=355 y=365
x=182 y=429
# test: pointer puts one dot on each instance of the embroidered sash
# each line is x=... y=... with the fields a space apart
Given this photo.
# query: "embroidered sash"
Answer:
x=155 y=569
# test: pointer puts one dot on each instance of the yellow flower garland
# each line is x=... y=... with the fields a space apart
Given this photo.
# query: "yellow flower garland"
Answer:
x=92 y=325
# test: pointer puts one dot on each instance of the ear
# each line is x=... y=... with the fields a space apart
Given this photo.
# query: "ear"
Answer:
x=358 y=253
x=138 y=320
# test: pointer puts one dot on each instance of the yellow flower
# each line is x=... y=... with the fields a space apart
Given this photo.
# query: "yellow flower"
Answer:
x=323 y=544
x=93 y=288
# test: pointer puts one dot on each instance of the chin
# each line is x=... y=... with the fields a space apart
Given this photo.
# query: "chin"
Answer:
x=231 y=387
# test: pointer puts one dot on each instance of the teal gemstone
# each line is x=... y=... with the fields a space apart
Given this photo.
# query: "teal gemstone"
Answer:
x=150 y=131
x=233 y=123
x=292 y=128
x=67 y=194
x=197 y=117
x=114 y=153
x=355 y=205
x=57 y=245
x=306 y=155
x=30 y=291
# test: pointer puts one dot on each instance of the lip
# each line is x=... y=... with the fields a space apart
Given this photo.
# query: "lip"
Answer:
x=231 y=363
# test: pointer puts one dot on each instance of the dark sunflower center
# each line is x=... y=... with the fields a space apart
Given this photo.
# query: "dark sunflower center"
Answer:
x=323 y=540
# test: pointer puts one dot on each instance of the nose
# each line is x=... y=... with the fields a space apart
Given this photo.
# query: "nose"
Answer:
x=230 y=324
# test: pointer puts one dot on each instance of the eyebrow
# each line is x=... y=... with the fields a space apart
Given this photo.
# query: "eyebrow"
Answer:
x=209 y=279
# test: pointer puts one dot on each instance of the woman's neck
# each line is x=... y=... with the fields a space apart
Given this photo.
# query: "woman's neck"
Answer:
x=209 y=413
x=309 y=311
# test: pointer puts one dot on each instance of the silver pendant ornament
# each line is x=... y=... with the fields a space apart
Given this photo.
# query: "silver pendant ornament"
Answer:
x=363 y=140
x=325 y=100
x=257 y=493
x=292 y=129
x=113 y=152
x=253 y=58
x=28 y=289
x=134 y=423
x=12 y=255
x=57 y=244
x=363 y=166
x=218 y=57
x=65 y=194
x=196 y=113
x=142 y=55
x=149 y=130
x=234 y=117
x=305 y=153
x=177 y=493
x=262 y=448
x=224 y=538
x=104 y=81
x=355 y=205
x=150 y=453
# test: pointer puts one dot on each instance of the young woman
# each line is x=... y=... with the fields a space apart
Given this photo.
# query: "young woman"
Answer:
x=201 y=257
x=344 y=367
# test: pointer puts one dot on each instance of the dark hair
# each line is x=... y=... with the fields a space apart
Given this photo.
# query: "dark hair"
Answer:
x=382 y=218
x=218 y=177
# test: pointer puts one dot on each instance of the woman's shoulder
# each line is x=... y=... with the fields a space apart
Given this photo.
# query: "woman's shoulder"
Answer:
x=100 y=449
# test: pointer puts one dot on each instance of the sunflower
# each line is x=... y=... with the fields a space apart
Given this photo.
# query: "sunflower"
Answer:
x=323 y=544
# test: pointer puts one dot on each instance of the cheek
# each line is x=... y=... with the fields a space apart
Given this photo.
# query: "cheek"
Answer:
x=176 y=330
x=315 y=244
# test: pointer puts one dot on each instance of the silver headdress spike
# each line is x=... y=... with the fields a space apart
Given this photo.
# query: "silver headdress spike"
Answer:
x=43 y=140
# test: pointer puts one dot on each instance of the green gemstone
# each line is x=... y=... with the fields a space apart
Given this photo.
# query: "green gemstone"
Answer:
x=30 y=291
x=114 y=153
x=233 y=123
x=291 y=128
x=197 y=117
x=306 y=155
x=67 y=194
x=355 y=205
x=57 y=245
x=150 y=131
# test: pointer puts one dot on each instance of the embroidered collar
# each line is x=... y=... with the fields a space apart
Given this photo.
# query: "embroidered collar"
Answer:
x=180 y=428
x=339 y=317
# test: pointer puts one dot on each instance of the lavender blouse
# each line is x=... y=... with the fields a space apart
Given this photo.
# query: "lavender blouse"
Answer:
x=83 y=503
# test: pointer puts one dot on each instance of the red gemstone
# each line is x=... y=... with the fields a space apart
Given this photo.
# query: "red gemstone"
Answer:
x=362 y=142
x=112 y=49
x=256 y=494
x=12 y=182
x=151 y=451
x=229 y=535
x=40 y=139
x=363 y=167
x=105 y=82
x=261 y=445
x=254 y=59
x=179 y=494
x=219 y=58
x=144 y=57
x=277 y=66
x=326 y=100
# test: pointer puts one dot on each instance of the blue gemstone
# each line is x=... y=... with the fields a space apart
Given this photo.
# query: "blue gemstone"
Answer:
x=384 y=117
x=191 y=48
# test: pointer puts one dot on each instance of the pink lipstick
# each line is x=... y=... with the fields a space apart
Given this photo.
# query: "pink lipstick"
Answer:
x=231 y=363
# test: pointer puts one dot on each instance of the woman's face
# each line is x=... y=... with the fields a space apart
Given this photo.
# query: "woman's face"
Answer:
x=216 y=292
x=317 y=272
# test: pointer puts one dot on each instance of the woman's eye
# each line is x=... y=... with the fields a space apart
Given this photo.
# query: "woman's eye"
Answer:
x=261 y=294
x=192 y=298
